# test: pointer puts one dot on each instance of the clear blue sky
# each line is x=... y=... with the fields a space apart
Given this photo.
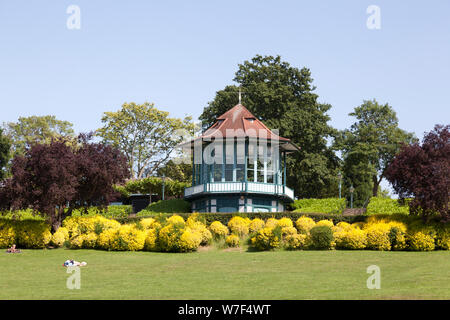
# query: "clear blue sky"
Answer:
x=179 y=53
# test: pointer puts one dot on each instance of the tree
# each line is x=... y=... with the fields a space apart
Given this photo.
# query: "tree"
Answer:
x=55 y=178
x=423 y=172
x=5 y=146
x=36 y=129
x=146 y=135
x=177 y=171
x=369 y=146
x=282 y=97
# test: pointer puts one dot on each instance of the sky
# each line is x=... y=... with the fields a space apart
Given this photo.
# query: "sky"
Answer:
x=177 y=54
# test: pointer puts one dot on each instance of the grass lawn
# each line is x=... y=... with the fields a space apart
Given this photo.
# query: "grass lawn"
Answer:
x=225 y=274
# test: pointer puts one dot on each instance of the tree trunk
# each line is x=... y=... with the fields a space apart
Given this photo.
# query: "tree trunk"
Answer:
x=376 y=184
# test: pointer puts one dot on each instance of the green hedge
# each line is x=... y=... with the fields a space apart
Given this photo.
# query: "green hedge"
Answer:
x=378 y=205
x=225 y=217
x=166 y=206
x=327 y=205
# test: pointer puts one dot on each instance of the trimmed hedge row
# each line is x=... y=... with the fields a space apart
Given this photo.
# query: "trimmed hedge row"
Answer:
x=225 y=217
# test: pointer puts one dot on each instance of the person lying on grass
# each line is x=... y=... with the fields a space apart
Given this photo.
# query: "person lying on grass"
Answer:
x=13 y=249
x=73 y=263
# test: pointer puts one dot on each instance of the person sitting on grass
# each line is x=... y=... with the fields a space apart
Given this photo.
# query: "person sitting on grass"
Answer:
x=73 y=263
x=13 y=249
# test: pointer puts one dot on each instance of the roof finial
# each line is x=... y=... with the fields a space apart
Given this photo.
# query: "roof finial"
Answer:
x=240 y=97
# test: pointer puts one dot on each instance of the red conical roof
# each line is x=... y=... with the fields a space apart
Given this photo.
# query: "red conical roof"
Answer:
x=239 y=122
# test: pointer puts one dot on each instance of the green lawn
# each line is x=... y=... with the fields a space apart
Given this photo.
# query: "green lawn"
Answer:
x=225 y=274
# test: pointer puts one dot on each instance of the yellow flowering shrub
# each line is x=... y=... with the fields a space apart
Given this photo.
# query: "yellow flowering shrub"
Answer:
x=266 y=238
x=285 y=222
x=176 y=219
x=199 y=227
x=304 y=224
x=443 y=237
x=286 y=231
x=151 y=240
x=128 y=238
x=76 y=242
x=296 y=241
x=78 y=225
x=256 y=225
x=218 y=230
x=239 y=226
x=189 y=240
x=149 y=223
x=7 y=234
x=90 y=240
x=327 y=223
x=105 y=238
x=32 y=234
x=271 y=223
x=59 y=237
x=378 y=236
x=397 y=235
x=232 y=241
x=169 y=236
x=350 y=238
x=358 y=225
x=421 y=241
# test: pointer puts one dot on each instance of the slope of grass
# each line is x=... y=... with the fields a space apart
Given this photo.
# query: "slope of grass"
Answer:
x=225 y=274
x=167 y=206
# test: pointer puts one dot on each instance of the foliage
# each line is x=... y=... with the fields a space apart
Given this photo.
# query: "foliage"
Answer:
x=296 y=241
x=350 y=238
x=210 y=217
x=267 y=238
x=369 y=146
x=256 y=225
x=327 y=223
x=422 y=172
x=153 y=185
x=304 y=224
x=32 y=234
x=166 y=206
x=146 y=135
x=7 y=233
x=181 y=172
x=218 y=230
x=50 y=176
x=5 y=146
x=283 y=98
x=328 y=205
x=36 y=130
x=233 y=240
x=239 y=226
x=321 y=237
x=378 y=236
x=378 y=205
x=59 y=237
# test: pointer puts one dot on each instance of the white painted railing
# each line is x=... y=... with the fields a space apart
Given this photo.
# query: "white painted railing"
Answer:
x=252 y=187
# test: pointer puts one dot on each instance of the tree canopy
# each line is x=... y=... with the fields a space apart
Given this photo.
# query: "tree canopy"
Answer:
x=423 y=172
x=36 y=129
x=147 y=136
x=55 y=178
x=369 y=146
x=283 y=98
x=5 y=146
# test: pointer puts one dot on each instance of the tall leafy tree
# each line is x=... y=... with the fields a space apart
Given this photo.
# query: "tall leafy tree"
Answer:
x=147 y=136
x=177 y=171
x=36 y=129
x=369 y=146
x=55 y=178
x=5 y=146
x=283 y=98
x=423 y=172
